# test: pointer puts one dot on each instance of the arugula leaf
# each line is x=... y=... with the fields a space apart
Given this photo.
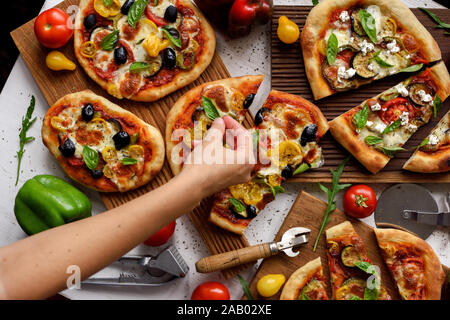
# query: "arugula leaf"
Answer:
x=394 y=125
x=371 y=140
x=110 y=41
x=139 y=66
x=175 y=41
x=301 y=168
x=107 y=3
x=436 y=19
x=90 y=157
x=332 y=48
x=423 y=143
x=368 y=24
x=136 y=11
x=23 y=139
x=237 y=204
x=390 y=151
x=128 y=161
x=437 y=104
x=336 y=187
x=210 y=108
x=380 y=61
x=360 y=118
x=413 y=68
x=245 y=287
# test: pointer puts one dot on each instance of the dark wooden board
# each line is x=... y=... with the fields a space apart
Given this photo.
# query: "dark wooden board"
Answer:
x=288 y=74
x=54 y=85
x=308 y=211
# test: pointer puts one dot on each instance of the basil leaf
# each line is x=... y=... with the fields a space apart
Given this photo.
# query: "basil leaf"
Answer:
x=370 y=293
x=255 y=137
x=277 y=189
x=368 y=24
x=140 y=41
x=380 y=61
x=423 y=143
x=394 y=125
x=237 y=204
x=315 y=2
x=303 y=297
x=413 y=68
x=90 y=157
x=355 y=298
x=110 y=41
x=390 y=151
x=210 y=108
x=107 y=3
x=360 y=118
x=371 y=140
x=245 y=287
x=301 y=168
x=332 y=48
x=139 y=66
x=136 y=11
x=128 y=161
x=175 y=41
x=436 y=19
x=437 y=104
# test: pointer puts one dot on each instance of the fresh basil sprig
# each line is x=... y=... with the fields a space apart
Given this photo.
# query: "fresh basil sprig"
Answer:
x=394 y=125
x=174 y=40
x=210 y=108
x=90 y=157
x=423 y=143
x=390 y=151
x=372 y=140
x=332 y=48
x=370 y=293
x=237 y=205
x=110 y=41
x=301 y=168
x=139 y=66
x=136 y=11
x=380 y=61
x=128 y=161
x=413 y=68
x=437 y=104
x=368 y=24
x=360 y=118
x=436 y=19
x=245 y=287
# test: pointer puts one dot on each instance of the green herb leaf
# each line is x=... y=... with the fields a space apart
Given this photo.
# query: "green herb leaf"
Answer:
x=136 y=11
x=360 y=118
x=237 y=204
x=315 y=2
x=437 y=104
x=210 y=108
x=277 y=189
x=175 y=41
x=423 y=143
x=255 y=136
x=394 y=125
x=134 y=138
x=140 y=41
x=128 y=161
x=332 y=48
x=107 y=3
x=370 y=293
x=139 y=66
x=110 y=41
x=23 y=139
x=90 y=157
x=355 y=298
x=303 y=297
x=368 y=24
x=245 y=287
x=413 y=68
x=390 y=151
x=380 y=61
x=371 y=140
x=436 y=19
x=301 y=168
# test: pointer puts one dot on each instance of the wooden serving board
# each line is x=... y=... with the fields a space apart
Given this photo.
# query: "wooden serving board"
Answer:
x=308 y=211
x=288 y=74
x=54 y=85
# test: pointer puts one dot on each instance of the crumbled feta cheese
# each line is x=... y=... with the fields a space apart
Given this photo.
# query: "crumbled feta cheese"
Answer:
x=369 y=123
x=370 y=66
x=344 y=17
x=379 y=127
x=401 y=89
x=405 y=118
x=411 y=127
x=393 y=47
x=345 y=74
x=366 y=47
x=425 y=97
x=408 y=56
x=433 y=140
x=376 y=107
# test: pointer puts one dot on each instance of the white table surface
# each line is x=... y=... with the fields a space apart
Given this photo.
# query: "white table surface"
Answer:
x=248 y=55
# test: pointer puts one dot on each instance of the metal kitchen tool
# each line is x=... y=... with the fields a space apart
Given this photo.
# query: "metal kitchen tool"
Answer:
x=394 y=200
x=167 y=266
x=431 y=218
x=291 y=239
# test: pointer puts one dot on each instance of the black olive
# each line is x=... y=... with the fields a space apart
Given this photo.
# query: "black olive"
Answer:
x=251 y=212
x=169 y=58
x=249 y=100
x=90 y=21
x=120 y=55
x=287 y=172
x=68 y=148
x=87 y=112
x=171 y=14
x=121 y=139
x=196 y=114
x=308 y=134
x=173 y=32
x=96 y=174
x=117 y=124
x=126 y=6
x=259 y=117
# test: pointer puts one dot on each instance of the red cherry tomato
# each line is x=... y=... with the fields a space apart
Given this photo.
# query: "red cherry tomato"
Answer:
x=211 y=291
x=157 y=20
x=393 y=109
x=53 y=28
x=162 y=236
x=360 y=201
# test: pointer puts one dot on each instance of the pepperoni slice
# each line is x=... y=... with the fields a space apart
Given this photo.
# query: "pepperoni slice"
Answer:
x=128 y=32
x=130 y=84
x=75 y=162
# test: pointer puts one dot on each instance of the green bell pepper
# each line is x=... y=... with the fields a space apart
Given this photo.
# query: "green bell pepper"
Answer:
x=46 y=201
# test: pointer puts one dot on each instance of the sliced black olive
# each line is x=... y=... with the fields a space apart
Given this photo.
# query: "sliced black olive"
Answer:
x=356 y=23
x=361 y=65
x=90 y=21
x=121 y=139
x=68 y=148
x=309 y=134
x=249 y=100
x=171 y=13
x=120 y=55
x=87 y=112
x=96 y=174
x=169 y=58
x=349 y=255
x=251 y=212
x=413 y=93
x=259 y=117
x=126 y=6
x=287 y=172
x=117 y=124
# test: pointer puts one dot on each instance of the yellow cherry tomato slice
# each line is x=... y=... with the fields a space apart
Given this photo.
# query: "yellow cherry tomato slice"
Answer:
x=254 y=194
x=287 y=31
x=109 y=154
x=58 y=123
x=57 y=61
x=289 y=152
x=88 y=49
x=237 y=101
x=238 y=191
x=136 y=151
x=270 y=284
x=108 y=172
x=98 y=124
x=274 y=180
x=150 y=24
x=105 y=11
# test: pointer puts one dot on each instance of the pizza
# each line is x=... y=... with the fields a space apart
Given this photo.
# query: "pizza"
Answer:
x=346 y=250
x=413 y=264
x=142 y=50
x=287 y=132
x=378 y=128
x=101 y=145
x=433 y=154
x=193 y=113
x=306 y=283
x=348 y=43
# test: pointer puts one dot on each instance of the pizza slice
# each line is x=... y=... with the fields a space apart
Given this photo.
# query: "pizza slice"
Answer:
x=350 y=266
x=101 y=145
x=433 y=154
x=348 y=43
x=378 y=128
x=287 y=130
x=413 y=264
x=306 y=283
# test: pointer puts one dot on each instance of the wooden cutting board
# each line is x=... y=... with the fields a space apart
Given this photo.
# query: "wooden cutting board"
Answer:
x=54 y=85
x=288 y=74
x=308 y=211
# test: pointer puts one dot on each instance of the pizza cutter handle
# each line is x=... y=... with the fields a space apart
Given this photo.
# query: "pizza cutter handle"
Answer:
x=235 y=258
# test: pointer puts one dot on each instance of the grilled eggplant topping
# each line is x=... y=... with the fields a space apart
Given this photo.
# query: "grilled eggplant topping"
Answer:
x=361 y=64
x=349 y=255
x=416 y=91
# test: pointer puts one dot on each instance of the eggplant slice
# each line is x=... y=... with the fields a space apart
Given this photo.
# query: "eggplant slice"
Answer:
x=413 y=93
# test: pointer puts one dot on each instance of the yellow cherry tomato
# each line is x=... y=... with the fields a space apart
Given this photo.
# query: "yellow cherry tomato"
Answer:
x=274 y=180
x=270 y=284
x=109 y=154
x=237 y=101
x=57 y=61
x=154 y=44
x=108 y=172
x=254 y=194
x=287 y=31
x=289 y=152
x=88 y=49
x=57 y=123
x=136 y=151
x=150 y=24
x=239 y=190
x=107 y=11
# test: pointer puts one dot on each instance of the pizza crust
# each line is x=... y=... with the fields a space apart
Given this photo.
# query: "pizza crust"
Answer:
x=182 y=79
x=434 y=274
x=151 y=135
x=342 y=229
x=237 y=227
x=317 y=21
x=299 y=279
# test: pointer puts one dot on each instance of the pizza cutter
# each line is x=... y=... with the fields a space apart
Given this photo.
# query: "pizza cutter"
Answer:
x=291 y=239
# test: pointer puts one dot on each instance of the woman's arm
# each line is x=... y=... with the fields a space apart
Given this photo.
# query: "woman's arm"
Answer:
x=35 y=267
